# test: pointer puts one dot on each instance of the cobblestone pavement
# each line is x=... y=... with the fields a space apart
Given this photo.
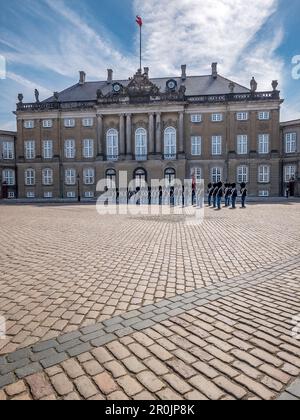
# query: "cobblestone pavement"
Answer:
x=185 y=319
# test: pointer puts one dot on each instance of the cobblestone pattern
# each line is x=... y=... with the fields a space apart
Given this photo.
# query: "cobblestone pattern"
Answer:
x=64 y=267
x=234 y=343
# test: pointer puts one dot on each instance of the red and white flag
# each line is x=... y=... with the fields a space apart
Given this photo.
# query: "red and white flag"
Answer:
x=139 y=21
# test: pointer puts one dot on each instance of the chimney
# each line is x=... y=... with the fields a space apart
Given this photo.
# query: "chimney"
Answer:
x=214 y=70
x=109 y=76
x=183 y=72
x=82 y=77
x=146 y=71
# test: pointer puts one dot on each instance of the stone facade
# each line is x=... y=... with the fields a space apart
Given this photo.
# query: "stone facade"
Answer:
x=151 y=128
x=290 y=136
x=8 y=165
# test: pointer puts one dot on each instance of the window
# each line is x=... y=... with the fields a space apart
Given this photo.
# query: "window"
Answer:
x=30 y=177
x=196 y=145
x=242 y=144
x=111 y=177
x=70 y=151
x=29 y=124
x=264 y=174
x=264 y=193
x=48 y=194
x=89 y=194
x=197 y=172
x=170 y=147
x=48 y=149
x=69 y=122
x=88 y=122
x=217 y=117
x=289 y=173
x=8 y=150
x=264 y=115
x=217 y=145
x=88 y=148
x=11 y=194
x=216 y=175
x=112 y=140
x=47 y=123
x=70 y=177
x=170 y=176
x=47 y=177
x=141 y=144
x=89 y=176
x=196 y=118
x=30 y=149
x=242 y=174
x=263 y=143
x=291 y=143
x=71 y=194
x=8 y=176
x=140 y=177
x=30 y=194
x=242 y=116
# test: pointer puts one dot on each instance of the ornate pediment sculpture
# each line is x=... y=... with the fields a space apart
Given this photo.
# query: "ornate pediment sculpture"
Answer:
x=140 y=85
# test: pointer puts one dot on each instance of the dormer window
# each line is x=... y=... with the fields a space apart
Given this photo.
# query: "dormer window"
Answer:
x=171 y=85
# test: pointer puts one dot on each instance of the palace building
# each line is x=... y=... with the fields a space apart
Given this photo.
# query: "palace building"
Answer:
x=153 y=129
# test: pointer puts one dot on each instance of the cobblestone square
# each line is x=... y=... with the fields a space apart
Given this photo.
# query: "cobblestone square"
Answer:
x=117 y=307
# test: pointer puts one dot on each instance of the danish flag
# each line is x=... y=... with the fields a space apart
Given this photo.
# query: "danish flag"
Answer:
x=139 y=21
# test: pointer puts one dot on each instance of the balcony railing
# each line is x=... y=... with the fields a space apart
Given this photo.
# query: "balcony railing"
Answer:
x=170 y=156
x=141 y=158
x=112 y=158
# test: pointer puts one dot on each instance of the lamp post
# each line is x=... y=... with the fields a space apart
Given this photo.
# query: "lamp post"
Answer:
x=78 y=188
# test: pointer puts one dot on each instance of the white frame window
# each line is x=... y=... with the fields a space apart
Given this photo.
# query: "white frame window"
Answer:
x=29 y=124
x=70 y=149
x=70 y=176
x=170 y=176
x=8 y=150
x=9 y=177
x=290 y=172
x=48 y=194
x=47 y=176
x=170 y=143
x=196 y=145
x=196 y=118
x=112 y=144
x=69 y=122
x=47 y=123
x=216 y=145
x=87 y=122
x=264 y=193
x=242 y=116
x=30 y=194
x=89 y=194
x=111 y=178
x=242 y=174
x=291 y=143
x=264 y=115
x=29 y=177
x=263 y=144
x=47 y=149
x=197 y=172
x=140 y=177
x=11 y=194
x=242 y=144
x=89 y=176
x=216 y=174
x=264 y=172
x=88 y=148
x=141 y=144
x=217 y=117
x=29 y=149
x=71 y=194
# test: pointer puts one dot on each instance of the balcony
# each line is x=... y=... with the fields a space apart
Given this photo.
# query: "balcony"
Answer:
x=170 y=156
x=112 y=158
x=141 y=158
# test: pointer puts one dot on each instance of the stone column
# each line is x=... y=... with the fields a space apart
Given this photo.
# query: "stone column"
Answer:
x=122 y=134
x=151 y=133
x=128 y=135
x=99 y=135
x=181 y=132
x=158 y=133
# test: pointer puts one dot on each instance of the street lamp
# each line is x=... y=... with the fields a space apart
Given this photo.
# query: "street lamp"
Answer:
x=78 y=188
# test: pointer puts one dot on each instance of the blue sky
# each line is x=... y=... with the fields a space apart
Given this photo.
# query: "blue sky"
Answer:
x=46 y=42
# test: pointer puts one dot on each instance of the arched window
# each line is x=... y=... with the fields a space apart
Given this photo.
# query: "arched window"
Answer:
x=170 y=146
x=170 y=176
x=30 y=177
x=111 y=178
x=70 y=176
x=140 y=176
x=112 y=142
x=8 y=176
x=141 y=144
x=216 y=175
x=242 y=174
x=47 y=177
x=89 y=176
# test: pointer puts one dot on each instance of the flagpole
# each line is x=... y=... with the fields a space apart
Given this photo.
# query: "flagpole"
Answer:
x=141 y=47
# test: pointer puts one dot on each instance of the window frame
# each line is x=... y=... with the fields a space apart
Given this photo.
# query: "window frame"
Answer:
x=30 y=177
x=67 y=122
x=48 y=151
x=45 y=125
x=217 y=145
x=215 y=115
x=90 y=119
x=196 y=118
x=241 y=114
x=293 y=174
x=88 y=148
x=262 y=150
x=216 y=177
x=9 y=177
x=196 y=145
x=89 y=175
x=70 y=176
x=290 y=140
x=141 y=150
x=68 y=149
x=264 y=177
x=112 y=144
x=47 y=179
x=8 y=153
x=29 y=124
x=261 y=115
x=242 y=144
x=30 y=152
x=244 y=176
x=170 y=143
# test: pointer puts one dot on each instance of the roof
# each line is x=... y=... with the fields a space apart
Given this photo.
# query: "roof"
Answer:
x=195 y=85
x=290 y=123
